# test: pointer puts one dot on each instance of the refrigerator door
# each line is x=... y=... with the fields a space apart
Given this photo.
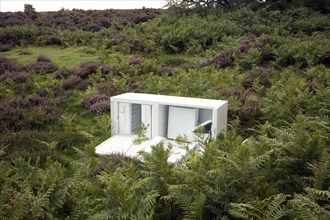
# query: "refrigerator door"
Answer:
x=181 y=121
x=124 y=117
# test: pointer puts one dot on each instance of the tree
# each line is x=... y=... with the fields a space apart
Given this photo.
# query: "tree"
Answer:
x=209 y=3
x=28 y=8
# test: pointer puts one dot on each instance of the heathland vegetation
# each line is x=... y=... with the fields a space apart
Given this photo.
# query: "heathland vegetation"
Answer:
x=270 y=60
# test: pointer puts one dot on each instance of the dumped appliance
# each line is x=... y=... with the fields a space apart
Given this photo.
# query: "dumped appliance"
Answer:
x=163 y=118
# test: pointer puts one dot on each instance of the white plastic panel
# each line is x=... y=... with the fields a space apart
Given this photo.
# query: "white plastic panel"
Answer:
x=124 y=118
x=181 y=121
x=222 y=117
x=219 y=119
x=204 y=115
x=147 y=119
x=114 y=117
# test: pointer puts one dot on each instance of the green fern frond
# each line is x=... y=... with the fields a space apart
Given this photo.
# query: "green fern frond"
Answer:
x=148 y=203
x=322 y=195
x=285 y=134
x=141 y=183
x=103 y=215
x=245 y=211
x=50 y=145
x=270 y=208
x=259 y=161
x=189 y=200
x=305 y=208
x=321 y=170
x=18 y=210
x=271 y=141
x=275 y=208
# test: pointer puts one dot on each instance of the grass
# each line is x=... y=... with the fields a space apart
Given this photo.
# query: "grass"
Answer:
x=63 y=57
x=70 y=57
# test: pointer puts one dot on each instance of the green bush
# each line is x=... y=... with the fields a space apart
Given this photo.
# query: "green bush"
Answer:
x=191 y=33
x=18 y=35
x=27 y=143
x=307 y=21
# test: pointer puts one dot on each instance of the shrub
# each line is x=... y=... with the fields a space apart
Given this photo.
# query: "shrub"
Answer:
x=18 y=35
x=286 y=60
x=133 y=82
x=63 y=73
x=41 y=40
x=223 y=59
x=57 y=91
x=117 y=70
x=90 y=66
x=292 y=95
x=17 y=102
x=242 y=50
x=250 y=58
x=261 y=42
x=18 y=77
x=302 y=54
x=246 y=43
x=204 y=62
x=254 y=51
x=289 y=60
x=102 y=165
x=175 y=61
x=106 y=69
x=42 y=109
x=43 y=58
x=71 y=82
x=97 y=103
x=148 y=66
x=35 y=99
x=88 y=101
x=242 y=104
x=307 y=21
x=9 y=65
x=267 y=55
x=324 y=59
x=248 y=106
x=188 y=65
x=86 y=69
x=18 y=113
x=28 y=140
x=42 y=67
x=52 y=40
x=260 y=75
x=79 y=19
x=100 y=107
x=49 y=91
x=83 y=85
x=107 y=88
x=135 y=61
x=167 y=70
x=137 y=46
x=11 y=117
x=322 y=56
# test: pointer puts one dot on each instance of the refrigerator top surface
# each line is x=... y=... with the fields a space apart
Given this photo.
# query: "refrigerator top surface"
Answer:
x=169 y=100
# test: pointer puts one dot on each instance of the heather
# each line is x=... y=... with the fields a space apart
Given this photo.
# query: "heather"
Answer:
x=270 y=60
